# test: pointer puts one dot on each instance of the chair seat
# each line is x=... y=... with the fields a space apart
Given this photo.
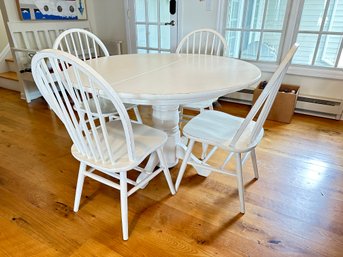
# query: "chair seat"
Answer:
x=106 y=106
x=146 y=140
x=218 y=128
x=201 y=104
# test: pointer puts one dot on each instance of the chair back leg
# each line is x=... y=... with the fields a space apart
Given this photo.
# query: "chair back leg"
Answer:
x=138 y=116
x=240 y=181
x=184 y=163
x=254 y=163
x=166 y=172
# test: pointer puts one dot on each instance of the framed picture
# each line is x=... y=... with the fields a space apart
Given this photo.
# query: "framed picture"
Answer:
x=52 y=9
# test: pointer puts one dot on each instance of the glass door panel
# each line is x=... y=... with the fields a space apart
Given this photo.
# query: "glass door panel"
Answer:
x=154 y=29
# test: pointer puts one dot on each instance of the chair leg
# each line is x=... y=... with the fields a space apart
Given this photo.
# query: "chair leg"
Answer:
x=240 y=181
x=204 y=151
x=138 y=115
x=123 y=205
x=254 y=163
x=184 y=164
x=166 y=170
x=80 y=180
x=204 y=146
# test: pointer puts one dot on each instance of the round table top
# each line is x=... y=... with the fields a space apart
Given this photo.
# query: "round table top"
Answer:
x=163 y=79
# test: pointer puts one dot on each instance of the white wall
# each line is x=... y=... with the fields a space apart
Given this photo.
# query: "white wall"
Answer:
x=311 y=86
x=195 y=14
x=107 y=18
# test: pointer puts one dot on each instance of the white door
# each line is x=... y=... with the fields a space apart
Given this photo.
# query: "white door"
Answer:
x=152 y=26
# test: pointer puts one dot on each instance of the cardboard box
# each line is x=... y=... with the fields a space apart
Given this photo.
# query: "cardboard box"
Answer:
x=284 y=104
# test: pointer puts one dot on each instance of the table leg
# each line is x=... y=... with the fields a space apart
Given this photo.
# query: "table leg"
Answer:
x=166 y=118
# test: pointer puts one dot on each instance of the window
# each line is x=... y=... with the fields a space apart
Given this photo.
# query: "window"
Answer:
x=263 y=30
x=320 y=34
x=254 y=29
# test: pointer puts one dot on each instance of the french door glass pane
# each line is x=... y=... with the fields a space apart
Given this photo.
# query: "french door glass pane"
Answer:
x=270 y=46
x=250 y=45
x=140 y=10
x=153 y=36
x=328 y=50
x=312 y=15
x=152 y=10
x=305 y=53
x=165 y=37
x=164 y=11
x=233 y=38
x=141 y=36
x=235 y=14
x=275 y=15
x=151 y=33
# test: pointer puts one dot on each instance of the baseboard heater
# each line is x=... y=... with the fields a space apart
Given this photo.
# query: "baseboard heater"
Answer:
x=315 y=106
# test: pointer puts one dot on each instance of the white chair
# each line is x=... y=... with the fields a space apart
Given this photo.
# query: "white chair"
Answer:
x=202 y=41
x=85 y=45
x=238 y=136
x=112 y=148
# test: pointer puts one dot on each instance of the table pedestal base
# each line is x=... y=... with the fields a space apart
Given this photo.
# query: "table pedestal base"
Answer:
x=166 y=118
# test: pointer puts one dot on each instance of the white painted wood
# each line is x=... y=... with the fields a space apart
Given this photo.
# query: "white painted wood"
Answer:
x=30 y=37
x=86 y=46
x=234 y=134
x=168 y=80
x=3 y=55
x=202 y=41
x=111 y=147
x=9 y=84
x=11 y=66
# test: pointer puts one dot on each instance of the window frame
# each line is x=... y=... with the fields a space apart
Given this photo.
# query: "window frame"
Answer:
x=289 y=35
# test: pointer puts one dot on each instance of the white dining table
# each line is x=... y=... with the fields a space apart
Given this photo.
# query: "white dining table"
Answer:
x=166 y=81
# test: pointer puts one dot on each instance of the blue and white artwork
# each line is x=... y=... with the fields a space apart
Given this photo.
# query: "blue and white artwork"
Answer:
x=52 y=9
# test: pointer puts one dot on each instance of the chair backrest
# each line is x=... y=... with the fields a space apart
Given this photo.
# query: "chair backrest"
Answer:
x=81 y=43
x=203 y=41
x=64 y=80
x=264 y=102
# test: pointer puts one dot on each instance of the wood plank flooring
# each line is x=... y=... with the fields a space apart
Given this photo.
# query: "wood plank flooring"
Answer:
x=294 y=209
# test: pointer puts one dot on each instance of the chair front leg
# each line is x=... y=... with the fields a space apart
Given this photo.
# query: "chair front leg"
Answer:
x=254 y=162
x=79 y=186
x=123 y=204
x=240 y=181
x=184 y=164
x=166 y=170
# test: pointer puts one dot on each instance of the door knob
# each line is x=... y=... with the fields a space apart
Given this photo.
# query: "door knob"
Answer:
x=171 y=23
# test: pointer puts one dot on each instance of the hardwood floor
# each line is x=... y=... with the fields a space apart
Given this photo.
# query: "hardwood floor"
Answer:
x=294 y=209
